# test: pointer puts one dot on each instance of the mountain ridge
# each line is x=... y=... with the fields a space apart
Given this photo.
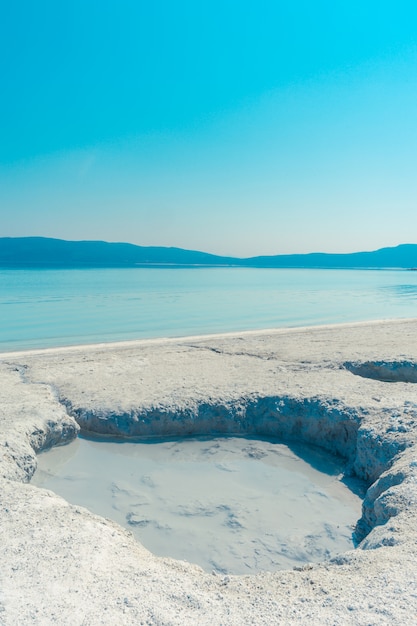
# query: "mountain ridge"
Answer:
x=27 y=252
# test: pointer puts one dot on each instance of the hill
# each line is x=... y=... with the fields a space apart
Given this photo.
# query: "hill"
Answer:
x=402 y=256
x=45 y=252
x=26 y=252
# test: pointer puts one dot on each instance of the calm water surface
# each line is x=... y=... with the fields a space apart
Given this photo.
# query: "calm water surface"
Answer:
x=42 y=308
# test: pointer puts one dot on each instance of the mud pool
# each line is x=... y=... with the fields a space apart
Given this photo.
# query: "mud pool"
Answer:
x=232 y=505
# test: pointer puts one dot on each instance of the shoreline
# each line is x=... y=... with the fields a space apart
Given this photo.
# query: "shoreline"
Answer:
x=326 y=385
x=160 y=340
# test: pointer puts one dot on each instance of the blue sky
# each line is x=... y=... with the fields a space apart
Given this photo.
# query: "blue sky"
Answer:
x=232 y=127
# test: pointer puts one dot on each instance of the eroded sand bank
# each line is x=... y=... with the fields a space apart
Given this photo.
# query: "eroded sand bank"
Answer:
x=348 y=388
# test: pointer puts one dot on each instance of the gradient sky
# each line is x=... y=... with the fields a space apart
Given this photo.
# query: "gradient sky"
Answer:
x=233 y=127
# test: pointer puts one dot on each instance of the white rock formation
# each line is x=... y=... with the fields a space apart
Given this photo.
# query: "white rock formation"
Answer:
x=350 y=389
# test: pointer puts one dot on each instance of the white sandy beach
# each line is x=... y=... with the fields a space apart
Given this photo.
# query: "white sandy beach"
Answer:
x=348 y=388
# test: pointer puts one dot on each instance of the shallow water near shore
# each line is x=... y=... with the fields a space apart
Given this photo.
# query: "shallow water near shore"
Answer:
x=47 y=308
x=233 y=505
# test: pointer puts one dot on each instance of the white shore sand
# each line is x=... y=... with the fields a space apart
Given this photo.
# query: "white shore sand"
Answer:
x=348 y=388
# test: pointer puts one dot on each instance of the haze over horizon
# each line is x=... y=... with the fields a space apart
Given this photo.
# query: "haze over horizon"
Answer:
x=226 y=127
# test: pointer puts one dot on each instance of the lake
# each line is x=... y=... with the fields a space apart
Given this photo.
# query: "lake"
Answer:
x=45 y=308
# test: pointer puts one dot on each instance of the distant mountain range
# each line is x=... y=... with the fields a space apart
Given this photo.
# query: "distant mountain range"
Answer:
x=27 y=252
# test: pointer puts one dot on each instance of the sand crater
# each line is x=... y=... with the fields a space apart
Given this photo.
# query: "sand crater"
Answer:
x=385 y=371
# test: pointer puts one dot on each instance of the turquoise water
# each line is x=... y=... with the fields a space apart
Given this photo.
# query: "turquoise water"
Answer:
x=43 y=308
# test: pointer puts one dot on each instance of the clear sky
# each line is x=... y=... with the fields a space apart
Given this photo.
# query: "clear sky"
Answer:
x=230 y=126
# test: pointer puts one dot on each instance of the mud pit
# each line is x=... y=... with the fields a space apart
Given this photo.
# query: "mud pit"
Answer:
x=231 y=505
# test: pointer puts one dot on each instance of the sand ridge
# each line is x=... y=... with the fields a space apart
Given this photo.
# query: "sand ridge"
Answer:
x=61 y=564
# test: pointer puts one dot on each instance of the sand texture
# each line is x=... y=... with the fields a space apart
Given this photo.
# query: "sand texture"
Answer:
x=350 y=389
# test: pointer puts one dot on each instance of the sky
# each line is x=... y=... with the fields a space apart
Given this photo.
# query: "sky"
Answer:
x=234 y=127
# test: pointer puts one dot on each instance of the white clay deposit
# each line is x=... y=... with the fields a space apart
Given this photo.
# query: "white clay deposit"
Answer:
x=350 y=389
x=232 y=505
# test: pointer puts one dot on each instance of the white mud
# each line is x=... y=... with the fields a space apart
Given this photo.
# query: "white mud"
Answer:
x=232 y=505
x=350 y=389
